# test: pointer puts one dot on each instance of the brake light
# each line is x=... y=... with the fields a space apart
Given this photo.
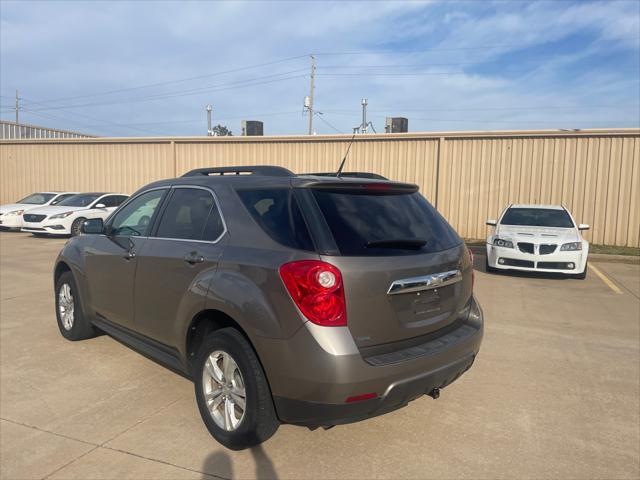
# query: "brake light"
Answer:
x=316 y=289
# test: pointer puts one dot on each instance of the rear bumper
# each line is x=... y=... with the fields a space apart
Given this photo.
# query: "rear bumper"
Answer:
x=398 y=395
x=311 y=386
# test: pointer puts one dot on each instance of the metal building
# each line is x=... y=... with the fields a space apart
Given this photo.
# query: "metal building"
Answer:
x=12 y=131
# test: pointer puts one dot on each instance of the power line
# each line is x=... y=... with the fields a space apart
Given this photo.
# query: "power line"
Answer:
x=169 y=82
x=322 y=119
x=480 y=109
x=405 y=74
x=214 y=88
x=81 y=115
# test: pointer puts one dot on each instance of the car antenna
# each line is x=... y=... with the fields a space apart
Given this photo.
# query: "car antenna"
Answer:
x=339 y=172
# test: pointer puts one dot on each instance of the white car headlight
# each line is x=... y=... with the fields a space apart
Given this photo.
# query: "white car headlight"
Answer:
x=499 y=242
x=60 y=215
x=571 y=247
x=15 y=212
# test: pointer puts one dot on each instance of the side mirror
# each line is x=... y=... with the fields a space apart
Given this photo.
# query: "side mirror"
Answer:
x=100 y=205
x=583 y=226
x=93 y=226
x=492 y=223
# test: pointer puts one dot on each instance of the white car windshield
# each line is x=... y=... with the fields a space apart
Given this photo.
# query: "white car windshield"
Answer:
x=537 y=217
x=37 y=198
x=80 y=200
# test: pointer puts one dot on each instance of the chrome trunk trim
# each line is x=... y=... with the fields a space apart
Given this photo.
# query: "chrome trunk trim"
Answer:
x=425 y=282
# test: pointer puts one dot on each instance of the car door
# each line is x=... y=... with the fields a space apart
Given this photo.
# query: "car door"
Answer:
x=177 y=262
x=111 y=260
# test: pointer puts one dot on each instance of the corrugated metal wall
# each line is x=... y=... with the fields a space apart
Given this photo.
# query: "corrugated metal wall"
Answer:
x=10 y=130
x=469 y=176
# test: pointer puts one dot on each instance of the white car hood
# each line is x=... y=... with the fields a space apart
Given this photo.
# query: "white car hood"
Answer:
x=52 y=210
x=10 y=207
x=537 y=234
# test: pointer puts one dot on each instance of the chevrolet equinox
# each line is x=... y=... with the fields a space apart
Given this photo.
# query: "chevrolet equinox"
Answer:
x=316 y=300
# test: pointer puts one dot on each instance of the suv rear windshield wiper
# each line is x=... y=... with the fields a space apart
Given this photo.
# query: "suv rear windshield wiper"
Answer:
x=407 y=243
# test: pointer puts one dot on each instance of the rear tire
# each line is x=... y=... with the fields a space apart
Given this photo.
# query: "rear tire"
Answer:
x=72 y=321
x=76 y=226
x=258 y=420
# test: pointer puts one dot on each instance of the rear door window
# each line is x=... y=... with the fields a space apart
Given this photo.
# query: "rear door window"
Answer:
x=278 y=214
x=370 y=224
x=186 y=214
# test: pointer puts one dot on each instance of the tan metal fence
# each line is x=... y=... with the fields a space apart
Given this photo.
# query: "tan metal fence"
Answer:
x=468 y=176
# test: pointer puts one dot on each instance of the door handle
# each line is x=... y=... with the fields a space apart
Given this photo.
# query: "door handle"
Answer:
x=193 y=258
x=129 y=255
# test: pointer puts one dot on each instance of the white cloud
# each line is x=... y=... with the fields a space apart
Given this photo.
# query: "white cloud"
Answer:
x=53 y=50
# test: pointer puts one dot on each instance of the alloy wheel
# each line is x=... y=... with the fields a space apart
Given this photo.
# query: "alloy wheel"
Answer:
x=224 y=390
x=66 y=306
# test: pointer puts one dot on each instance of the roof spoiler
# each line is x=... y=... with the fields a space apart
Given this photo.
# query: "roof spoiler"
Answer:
x=372 y=176
x=367 y=188
x=265 y=170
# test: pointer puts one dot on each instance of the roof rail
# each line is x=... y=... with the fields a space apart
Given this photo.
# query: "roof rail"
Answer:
x=266 y=170
x=373 y=176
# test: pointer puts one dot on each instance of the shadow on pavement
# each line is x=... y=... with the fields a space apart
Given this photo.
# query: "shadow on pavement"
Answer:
x=264 y=466
x=218 y=464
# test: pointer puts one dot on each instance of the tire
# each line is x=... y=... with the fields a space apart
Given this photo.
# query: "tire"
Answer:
x=488 y=268
x=77 y=327
x=583 y=275
x=258 y=422
x=76 y=226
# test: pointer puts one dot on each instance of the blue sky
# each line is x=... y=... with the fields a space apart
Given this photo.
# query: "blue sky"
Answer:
x=149 y=68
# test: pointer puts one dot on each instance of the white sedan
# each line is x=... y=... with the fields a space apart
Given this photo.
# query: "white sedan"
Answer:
x=11 y=213
x=66 y=217
x=537 y=238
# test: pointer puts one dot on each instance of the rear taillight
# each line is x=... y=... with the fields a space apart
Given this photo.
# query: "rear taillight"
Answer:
x=317 y=290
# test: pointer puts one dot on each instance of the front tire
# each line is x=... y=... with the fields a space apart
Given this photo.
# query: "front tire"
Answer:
x=72 y=322
x=583 y=275
x=232 y=392
x=488 y=268
x=76 y=226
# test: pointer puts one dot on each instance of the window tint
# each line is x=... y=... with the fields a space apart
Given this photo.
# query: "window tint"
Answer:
x=113 y=200
x=80 y=200
x=135 y=218
x=215 y=226
x=539 y=217
x=186 y=214
x=384 y=224
x=278 y=214
x=60 y=198
x=37 y=198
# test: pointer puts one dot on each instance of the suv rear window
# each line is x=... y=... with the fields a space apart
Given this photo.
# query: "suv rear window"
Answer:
x=278 y=214
x=374 y=224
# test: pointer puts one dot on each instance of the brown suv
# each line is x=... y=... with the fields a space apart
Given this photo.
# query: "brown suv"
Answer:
x=311 y=299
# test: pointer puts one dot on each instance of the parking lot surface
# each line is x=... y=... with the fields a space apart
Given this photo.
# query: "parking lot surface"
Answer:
x=554 y=393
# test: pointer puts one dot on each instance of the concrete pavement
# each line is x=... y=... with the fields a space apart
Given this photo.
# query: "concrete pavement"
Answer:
x=555 y=392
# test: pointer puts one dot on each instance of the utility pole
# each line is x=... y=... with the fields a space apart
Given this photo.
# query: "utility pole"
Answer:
x=364 y=115
x=311 y=88
x=17 y=108
x=209 y=131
